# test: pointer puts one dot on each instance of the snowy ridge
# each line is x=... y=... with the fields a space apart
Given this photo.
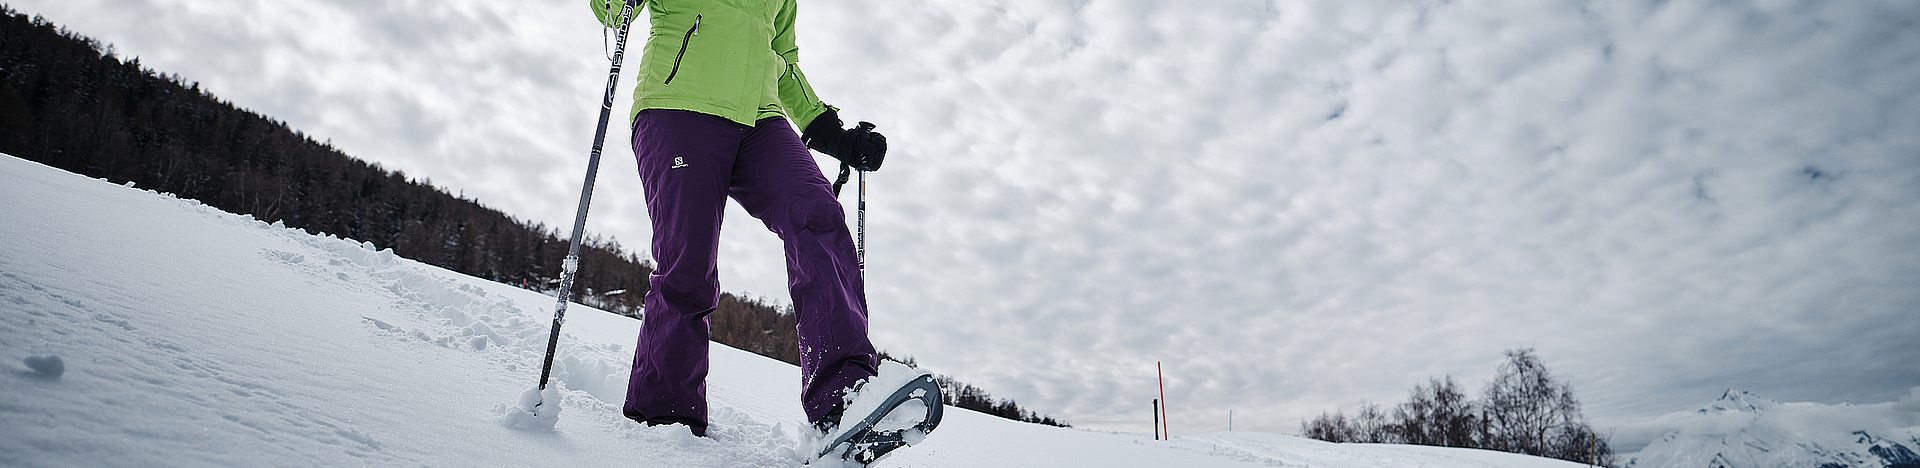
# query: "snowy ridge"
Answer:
x=194 y=337
x=1742 y=430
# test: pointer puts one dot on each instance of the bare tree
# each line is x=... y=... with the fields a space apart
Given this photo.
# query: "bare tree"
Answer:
x=1579 y=443
x=1372 y=425
x=1525 y=409
x=1330 y=428
x=1437 y=414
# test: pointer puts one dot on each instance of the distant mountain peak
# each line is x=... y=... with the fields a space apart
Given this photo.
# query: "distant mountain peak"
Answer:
x=1743 y=430
x=1736 y=400
x=1892 y=453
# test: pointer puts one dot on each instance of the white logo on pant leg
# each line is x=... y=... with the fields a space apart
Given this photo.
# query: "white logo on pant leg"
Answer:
x=678 y=162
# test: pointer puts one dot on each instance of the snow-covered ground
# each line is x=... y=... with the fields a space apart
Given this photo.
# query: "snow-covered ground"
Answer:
x=194 y=337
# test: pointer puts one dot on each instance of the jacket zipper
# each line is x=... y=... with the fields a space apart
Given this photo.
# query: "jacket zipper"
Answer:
x=693 y=31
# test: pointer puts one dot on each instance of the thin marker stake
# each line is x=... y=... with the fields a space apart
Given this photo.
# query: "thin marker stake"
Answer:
x=1166 y=428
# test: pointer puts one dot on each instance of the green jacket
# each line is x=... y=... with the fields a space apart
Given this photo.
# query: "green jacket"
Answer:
x=734 y=59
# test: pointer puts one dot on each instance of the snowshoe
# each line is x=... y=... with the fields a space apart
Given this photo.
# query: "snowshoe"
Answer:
x=892 y=420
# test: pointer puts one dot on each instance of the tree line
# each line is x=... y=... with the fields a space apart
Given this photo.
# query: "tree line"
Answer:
x=757 y=326
x=964 y=395
x=1523 y=410
x=68 y=101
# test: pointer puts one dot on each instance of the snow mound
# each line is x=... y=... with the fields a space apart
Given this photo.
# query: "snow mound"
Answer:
x=530 y=414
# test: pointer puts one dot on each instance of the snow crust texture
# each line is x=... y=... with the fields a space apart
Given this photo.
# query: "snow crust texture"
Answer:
x=156 y=331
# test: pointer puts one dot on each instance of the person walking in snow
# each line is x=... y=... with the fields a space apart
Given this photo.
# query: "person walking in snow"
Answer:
x=719 y=92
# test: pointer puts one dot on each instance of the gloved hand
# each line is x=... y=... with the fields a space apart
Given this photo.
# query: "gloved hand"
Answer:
x=608 y=11
x=859 y=147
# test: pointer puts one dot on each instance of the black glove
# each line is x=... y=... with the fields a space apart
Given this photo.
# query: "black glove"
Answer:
x=860 y=147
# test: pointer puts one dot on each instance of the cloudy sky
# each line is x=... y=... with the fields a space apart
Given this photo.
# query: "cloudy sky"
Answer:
x=1294 y=206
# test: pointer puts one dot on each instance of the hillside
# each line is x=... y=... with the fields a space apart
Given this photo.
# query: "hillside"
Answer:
x=195 y=337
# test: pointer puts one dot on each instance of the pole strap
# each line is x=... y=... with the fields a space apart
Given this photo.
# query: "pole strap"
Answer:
x=845 y=171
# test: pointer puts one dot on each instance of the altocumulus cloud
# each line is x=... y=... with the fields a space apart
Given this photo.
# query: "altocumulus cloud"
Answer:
x=1294 y=205
x=1299 y=205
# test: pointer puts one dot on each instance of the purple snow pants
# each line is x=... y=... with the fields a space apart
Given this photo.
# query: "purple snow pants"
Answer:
x=690 y=164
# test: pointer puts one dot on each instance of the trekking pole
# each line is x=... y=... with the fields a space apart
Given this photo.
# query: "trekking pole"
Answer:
x=861 y=245
x=572 y=263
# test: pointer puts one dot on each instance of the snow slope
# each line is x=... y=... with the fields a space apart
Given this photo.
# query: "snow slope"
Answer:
x=194 y=337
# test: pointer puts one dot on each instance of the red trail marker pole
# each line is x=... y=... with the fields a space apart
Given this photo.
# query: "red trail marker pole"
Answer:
x=1164 y=429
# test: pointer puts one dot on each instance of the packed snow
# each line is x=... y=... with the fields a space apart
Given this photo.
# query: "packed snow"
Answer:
x=140 y=329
